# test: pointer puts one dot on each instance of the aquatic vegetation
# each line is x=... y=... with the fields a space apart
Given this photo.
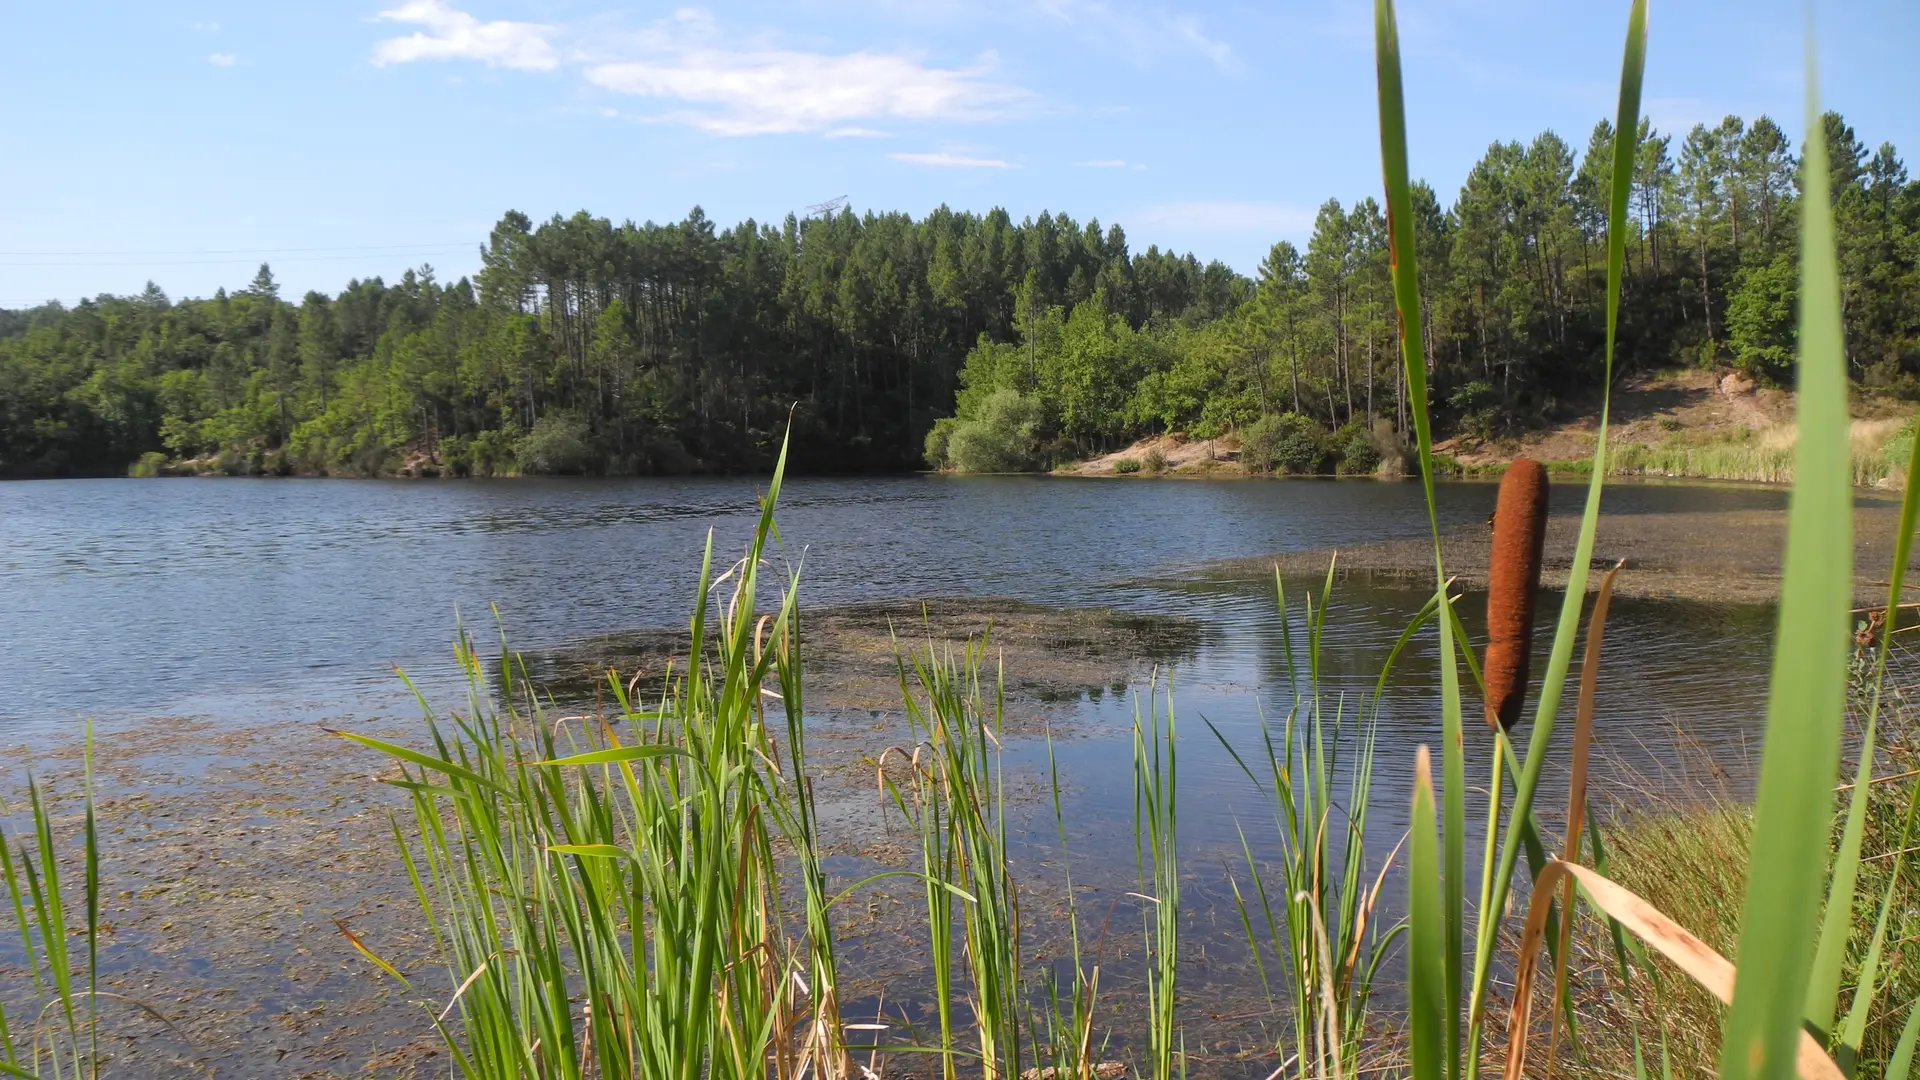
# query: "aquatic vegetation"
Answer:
x=1779 y=982
x=1319 y=919
x=633 y=865
x=59 y=1037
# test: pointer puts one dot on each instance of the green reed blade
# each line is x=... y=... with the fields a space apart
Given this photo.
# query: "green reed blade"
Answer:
x=612 y=754
x=1866 y=985
x=1625 y=145
x=1900 y=1064
x=1826 y=964
x=1823 y=982
x=1406 y=293
x=1426 y=977
x=425 y=761
x=1793 y=806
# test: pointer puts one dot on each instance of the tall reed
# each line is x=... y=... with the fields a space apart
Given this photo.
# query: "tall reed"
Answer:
x=60 y=1036
x=1155 y=814
x=607 y=892
x=957 y=803
x=1319 y=921
x=1782 y=979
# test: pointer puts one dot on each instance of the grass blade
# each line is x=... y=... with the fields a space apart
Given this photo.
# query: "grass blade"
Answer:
x=1900 y=1065
x=1426 y=978
x=1403 y=263
x=1691 y=955
x=1625 y=145
x=1794 y=804
x=1577 y=801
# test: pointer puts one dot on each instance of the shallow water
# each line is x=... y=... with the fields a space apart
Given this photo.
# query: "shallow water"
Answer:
x=249 y=602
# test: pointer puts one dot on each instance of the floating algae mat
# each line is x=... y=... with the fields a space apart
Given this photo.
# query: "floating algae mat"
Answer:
x=850 y=652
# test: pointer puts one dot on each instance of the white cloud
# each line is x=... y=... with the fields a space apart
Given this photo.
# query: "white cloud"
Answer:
x=778 y=91
x=727 y=84
x=1228 y=216
x=456 y=35
x=222 y=59
x=1145 y=32
x=945 y=160
x=1111 y=163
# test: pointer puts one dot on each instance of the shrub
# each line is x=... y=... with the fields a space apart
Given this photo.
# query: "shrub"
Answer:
x=1477 y=404
x=557 y=444
x=1000 y=438
x=1127 y=465
x=937 y=440
x=1354 y=443
x=1290 y=443
x=151 y=463
x=1155 y=461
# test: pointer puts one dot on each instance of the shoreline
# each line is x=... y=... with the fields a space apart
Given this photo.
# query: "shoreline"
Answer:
x=1724 y=556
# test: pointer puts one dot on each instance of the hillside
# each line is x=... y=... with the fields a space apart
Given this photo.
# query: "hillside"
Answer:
x=1696 y=424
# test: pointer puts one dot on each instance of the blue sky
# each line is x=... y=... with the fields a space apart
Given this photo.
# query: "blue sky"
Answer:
x=187 y=141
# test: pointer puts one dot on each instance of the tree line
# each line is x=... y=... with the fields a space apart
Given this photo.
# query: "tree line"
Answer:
x=1512 y=295
x=970 y=340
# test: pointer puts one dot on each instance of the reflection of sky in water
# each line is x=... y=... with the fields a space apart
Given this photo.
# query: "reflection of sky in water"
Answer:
x=237 y=598
x=288 y=600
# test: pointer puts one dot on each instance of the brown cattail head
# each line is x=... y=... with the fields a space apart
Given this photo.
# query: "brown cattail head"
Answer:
x=1513 y=576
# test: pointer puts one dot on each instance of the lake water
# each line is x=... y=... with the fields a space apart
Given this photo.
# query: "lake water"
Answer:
x=218 y=598
x=252 y=602
x=293 y=600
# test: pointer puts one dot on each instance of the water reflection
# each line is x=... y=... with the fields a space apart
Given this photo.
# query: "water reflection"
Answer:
x=252 y=601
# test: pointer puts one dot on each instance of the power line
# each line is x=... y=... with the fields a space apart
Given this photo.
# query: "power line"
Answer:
x=250 y=251
x=233 y=262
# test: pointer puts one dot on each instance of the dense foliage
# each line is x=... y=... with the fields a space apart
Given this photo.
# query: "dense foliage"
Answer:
x=1512 y=299
x=585 y=346
x=581 y=346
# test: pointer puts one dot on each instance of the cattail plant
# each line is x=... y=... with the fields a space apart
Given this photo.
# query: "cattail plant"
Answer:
x=1513 y=578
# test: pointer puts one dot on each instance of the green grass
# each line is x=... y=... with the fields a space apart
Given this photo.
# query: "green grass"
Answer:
x=1690 y=861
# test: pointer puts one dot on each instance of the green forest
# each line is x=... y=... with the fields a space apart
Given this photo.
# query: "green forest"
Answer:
x=969 y=340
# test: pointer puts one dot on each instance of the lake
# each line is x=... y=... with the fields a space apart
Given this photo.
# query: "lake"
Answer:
x=219 y=598
x=237 y=604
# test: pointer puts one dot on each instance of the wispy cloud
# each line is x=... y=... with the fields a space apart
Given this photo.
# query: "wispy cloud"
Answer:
x=684 y=62
x=1143 y=31
x=783 y=91
x=1228 y=216
x=222 y=59
x=448 y=34
x=944 y=160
